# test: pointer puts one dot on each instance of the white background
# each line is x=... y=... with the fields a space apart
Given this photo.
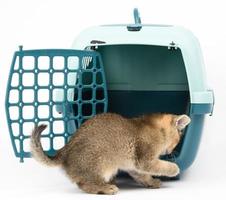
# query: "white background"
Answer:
x=55 y=24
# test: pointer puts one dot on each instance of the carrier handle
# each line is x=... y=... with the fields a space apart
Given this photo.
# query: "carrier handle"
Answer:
x=137 y=26
x=136 y=15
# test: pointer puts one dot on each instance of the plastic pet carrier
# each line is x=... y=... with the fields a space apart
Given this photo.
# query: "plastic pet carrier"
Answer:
x=128 y=69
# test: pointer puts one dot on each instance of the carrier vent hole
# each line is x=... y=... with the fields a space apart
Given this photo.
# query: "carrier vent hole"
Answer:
x=58 y=127
x=28 y=127
x=87 y=93
x=43 y=111
x=28 y=62
x=87 y=78
x=15 y=129
x=99 y=93
x=58 y=142
x=28 y=112
x=14 y=112
x=15 y=80
x=99 y=78
x=58 y=79
x=26 y=145
x=87 y=109
x=99 y=108
x=73 y=62
x=58 y=62
x=43 y=95
x=28 y=79
x=43 y=62
x=43 y=79
x=75 y=110
x=28 y=95
x=13 y=96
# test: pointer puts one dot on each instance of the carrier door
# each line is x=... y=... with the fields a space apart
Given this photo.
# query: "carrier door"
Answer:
x=58 y=87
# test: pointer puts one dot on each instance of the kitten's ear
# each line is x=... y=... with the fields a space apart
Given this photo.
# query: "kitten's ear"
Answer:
x=182 y=121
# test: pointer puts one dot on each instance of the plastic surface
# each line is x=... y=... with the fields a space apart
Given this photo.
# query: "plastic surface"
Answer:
x=160 y=36
x=41 y=90
x=143 y=68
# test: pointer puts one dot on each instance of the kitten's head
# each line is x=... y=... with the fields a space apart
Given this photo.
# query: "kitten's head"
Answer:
x=172 y=130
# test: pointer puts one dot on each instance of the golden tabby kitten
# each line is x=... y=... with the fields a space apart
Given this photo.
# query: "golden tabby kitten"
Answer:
x=109 y=142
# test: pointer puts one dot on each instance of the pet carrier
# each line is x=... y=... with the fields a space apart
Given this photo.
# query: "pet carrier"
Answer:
x=127 y=69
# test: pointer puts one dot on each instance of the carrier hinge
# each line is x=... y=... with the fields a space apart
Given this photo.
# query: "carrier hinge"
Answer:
x=172 y=46
x=96 y=42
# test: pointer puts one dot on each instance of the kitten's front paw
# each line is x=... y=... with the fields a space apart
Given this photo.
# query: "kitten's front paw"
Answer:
x=151 y=183
x=156 y=183
x=173 y=170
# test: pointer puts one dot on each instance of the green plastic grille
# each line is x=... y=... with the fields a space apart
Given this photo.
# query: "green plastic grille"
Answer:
x=60 y=88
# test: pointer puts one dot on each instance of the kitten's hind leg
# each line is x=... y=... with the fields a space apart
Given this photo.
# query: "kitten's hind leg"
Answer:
x=145 y=179
x=97 y=185
x=94 y=188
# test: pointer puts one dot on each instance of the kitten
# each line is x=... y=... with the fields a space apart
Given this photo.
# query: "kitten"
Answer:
x=109 y=142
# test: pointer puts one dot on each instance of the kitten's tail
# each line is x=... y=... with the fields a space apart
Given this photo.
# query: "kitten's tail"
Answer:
x=37 y=150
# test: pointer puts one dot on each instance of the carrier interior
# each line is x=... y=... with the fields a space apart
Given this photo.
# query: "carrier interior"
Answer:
x=145 y=79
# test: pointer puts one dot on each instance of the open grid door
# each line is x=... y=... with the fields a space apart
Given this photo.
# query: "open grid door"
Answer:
x=58 y=87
